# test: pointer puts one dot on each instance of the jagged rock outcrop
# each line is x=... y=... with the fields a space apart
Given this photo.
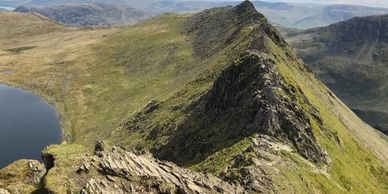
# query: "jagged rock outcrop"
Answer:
x=112 y=169
x=260 y=101
x=116 y=170
x=121 y=171
x=213 y=29
x=249 y=97
x=255 y=167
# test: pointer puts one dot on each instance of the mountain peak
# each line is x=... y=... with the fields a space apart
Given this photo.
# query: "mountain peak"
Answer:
x=213 y=32
x=248 y=10
x=246 y=5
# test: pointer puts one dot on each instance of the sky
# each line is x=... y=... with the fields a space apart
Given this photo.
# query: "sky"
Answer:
x=370 y=3
x=374 y=3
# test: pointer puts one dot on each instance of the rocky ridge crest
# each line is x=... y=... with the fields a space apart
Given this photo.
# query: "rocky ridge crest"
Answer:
x=248 y=97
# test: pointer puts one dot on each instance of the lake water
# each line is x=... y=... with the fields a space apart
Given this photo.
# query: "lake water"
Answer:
x=27 y=125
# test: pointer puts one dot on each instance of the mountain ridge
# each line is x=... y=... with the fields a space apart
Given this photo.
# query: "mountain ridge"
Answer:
x=218 y=100
x=241 y=106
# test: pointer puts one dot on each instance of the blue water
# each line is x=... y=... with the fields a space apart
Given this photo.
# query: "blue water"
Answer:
x=27 y=125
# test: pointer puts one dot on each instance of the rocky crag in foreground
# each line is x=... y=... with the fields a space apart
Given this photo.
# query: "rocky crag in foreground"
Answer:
x=112 y=169
x=247 y=116
x=118 y=171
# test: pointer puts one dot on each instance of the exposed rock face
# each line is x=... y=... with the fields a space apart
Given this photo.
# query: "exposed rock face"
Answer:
x=248 y=98
x=254 y=167
x=116 y=170
x=213 y=29
x=120 y=171
x=252 y=92
x=99 y=147
x=3 y=191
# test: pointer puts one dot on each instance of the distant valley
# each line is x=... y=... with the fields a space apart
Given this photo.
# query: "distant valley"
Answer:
x=304 y=16
x=351 y=57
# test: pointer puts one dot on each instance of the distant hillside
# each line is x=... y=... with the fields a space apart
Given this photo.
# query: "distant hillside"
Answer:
x=89 y=14
x=351 y=57
x=24 y=25
x=294 y=15
x=305 y=16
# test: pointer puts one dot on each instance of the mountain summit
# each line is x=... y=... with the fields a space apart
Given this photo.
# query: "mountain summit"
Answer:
x=219 y=93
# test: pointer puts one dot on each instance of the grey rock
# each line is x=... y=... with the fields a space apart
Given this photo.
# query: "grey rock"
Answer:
x=121 y=171
x=37 y=171
x=99 y=147
x=4 y=191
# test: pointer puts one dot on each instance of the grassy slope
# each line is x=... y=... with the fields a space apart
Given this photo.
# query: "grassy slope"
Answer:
x=53 y=65
x=22 y=27
x=140 y=65
x=98 y=82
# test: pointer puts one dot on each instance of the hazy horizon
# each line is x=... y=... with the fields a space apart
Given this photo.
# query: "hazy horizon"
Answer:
x=370 y=3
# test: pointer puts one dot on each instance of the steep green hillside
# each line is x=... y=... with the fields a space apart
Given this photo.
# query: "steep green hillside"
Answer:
x=218 y=92
x=350 y=57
